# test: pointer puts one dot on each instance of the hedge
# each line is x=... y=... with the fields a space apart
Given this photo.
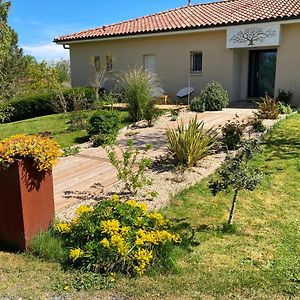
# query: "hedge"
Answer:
x=42 y=105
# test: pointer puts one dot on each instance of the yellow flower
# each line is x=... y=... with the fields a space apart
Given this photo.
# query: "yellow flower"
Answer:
x=134 y=204
x=63 y=227
x=158 y=218
x=115 y=198
x=110 y=226
x=43 y=151
x=155 y=237
x=105 y=243
x=76 y=253
x=83 y=209
x=144 y=258
x=118 y=241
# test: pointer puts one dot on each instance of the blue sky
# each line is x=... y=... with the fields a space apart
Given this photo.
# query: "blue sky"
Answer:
x=38 y=22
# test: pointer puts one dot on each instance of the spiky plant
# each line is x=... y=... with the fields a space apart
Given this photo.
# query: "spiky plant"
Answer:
x=188 y=145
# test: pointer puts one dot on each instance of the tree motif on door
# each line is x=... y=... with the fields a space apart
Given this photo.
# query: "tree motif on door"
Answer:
x=252 y=35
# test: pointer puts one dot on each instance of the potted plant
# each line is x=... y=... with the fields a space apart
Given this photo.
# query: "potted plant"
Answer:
x=26 y=188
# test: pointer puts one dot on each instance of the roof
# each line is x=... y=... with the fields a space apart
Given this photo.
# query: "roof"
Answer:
x=213 y=14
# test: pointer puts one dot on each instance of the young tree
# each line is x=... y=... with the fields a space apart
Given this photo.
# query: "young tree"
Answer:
x=12 y=62
x=236 y=175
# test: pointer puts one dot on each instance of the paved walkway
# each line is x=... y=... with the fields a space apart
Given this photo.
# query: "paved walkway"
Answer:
x=79 y=175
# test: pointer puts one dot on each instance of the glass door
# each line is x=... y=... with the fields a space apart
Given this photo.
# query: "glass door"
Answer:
x=262 y=71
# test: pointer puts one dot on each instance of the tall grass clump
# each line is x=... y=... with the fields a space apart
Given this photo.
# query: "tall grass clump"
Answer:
x=139 y=87
x=188 y=145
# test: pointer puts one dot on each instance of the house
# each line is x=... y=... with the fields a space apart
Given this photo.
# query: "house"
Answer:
x=250 y=46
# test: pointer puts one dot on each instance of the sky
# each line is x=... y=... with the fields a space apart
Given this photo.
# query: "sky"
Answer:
x=39 y=22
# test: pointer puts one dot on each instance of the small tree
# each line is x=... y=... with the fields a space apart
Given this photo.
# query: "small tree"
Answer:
x=236 y=175
x=131 y=168
x=99 y=73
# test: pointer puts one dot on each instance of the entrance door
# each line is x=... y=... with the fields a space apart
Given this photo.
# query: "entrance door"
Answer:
x=262 y=71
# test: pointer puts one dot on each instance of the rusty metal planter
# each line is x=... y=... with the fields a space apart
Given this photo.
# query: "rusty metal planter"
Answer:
x=26 y=203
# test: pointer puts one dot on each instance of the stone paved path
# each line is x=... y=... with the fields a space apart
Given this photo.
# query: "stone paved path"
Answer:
x=75 y=176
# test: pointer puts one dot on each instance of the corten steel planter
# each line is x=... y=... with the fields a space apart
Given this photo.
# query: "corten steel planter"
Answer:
x=26 y=203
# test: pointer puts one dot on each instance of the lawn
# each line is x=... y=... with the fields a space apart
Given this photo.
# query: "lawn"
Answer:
x=259 y=261
x=57 y=125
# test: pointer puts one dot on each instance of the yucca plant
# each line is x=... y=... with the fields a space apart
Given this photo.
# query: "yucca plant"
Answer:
x=267 y=109
x=138 y=87
x=188 y=145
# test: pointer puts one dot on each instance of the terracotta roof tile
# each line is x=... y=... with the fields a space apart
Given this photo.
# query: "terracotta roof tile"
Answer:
x=227 y=12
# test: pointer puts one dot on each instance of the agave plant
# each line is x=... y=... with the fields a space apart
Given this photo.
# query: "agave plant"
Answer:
x=188 y=145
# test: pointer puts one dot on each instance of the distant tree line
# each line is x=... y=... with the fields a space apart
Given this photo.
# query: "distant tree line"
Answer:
x=22 y=75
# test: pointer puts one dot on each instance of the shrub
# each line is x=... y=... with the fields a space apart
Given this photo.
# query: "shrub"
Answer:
x=42 y=150
x=232 y=133
x=284 y=96
x=130 y=169
x=198 y=104
x=257 y=125
x=284 y=108
x=267 y=108
x=77 y=121
x=103 y=127
x=6 y=113
x=214 y=97
x=117 y=236
x=138 y=87
x=187 y=145
x=70 y=151
x=41 y=105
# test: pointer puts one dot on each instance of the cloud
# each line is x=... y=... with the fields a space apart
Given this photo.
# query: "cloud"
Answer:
x=48 y=52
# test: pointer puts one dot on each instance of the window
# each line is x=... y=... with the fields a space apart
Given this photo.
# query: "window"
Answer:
x=150 y=63
x=196 y=62
x=108 y=62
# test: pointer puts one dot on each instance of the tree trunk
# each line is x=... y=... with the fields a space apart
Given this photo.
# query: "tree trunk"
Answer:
x=233 y=206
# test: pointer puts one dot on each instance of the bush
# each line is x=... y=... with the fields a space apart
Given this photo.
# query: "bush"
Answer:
x=103 y=127
x=6 y=113
x=130 y=169
x=232 y=133
x=43 y=104
x=284 y=96
x=77 y=121
x=138 y=87
x=188 y=145
x=117 y=236
x=257 y=125
x=214 y=97
x=198 y=104
x=284 y=108
x=267 y=108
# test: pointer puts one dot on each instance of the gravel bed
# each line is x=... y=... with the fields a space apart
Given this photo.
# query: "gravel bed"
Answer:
x=165 y=181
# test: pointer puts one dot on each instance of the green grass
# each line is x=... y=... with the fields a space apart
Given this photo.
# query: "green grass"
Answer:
x=260 y=261
x=55 y=124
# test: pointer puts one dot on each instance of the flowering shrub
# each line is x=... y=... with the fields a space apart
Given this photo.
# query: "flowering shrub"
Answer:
x=43 y=151
x=117 y=236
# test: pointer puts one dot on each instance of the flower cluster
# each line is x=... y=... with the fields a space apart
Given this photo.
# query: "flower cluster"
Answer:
x=63 y=227
x=117 y=236
x=76 y=254
x=43 y=151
